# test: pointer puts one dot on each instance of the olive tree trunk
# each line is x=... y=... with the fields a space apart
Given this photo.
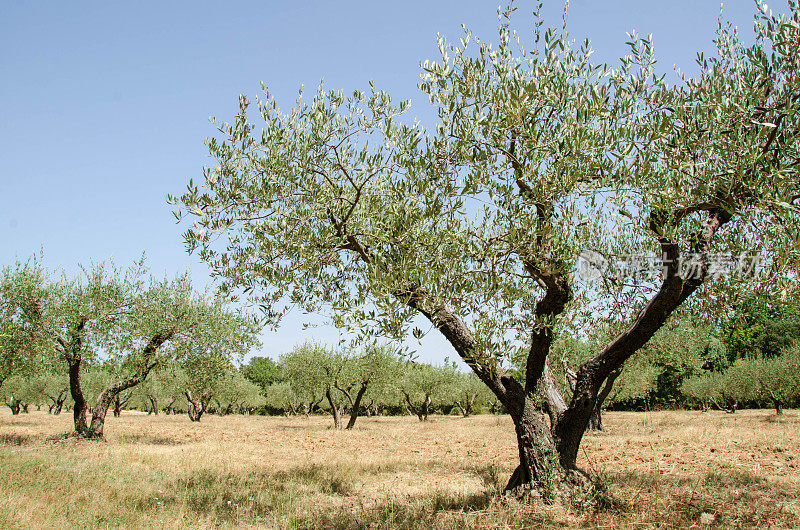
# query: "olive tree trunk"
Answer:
x=14 y=404
x=196 y=408
x=335 y=410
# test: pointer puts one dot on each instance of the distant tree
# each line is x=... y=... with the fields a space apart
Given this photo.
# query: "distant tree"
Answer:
x=55 y=387
x=134 y=322
x=238 y=394
x=774 y=380
x=758 y=327
x=469 y=392
x=314 y=369
x=370 y=370
x=206 y=373
x=262 y=371
x=282 y=396
x=778 y=378
x=703 y=388
x=424 y=387
x=151 y=393
x=18 y=393
x=725 y=390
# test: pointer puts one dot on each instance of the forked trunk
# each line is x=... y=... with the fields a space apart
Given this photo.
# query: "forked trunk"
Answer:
x=196 y=409
x=14 y=404
x=422 y=410
x=58 y=403
x=539 y=469
x=356 y=406
x=335 y=411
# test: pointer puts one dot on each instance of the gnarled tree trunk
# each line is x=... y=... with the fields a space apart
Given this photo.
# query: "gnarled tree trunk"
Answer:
x=196 y=409
x=422 y=410
x=335 y=410
x=355 y=404
x=14 y=404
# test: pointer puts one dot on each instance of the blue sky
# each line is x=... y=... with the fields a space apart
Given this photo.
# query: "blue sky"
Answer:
x=104 y=107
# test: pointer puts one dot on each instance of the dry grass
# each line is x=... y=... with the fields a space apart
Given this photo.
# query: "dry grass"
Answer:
x=663 y=470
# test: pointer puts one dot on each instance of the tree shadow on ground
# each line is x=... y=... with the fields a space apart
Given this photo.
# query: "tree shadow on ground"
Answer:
x=307 y=497
x=148 y=439
x=15 y=439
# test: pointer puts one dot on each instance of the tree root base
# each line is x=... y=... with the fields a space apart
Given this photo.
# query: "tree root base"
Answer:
x=575 y=489
x=75 y=435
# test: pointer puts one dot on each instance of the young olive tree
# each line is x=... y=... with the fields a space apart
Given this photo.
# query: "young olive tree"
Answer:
x=238 y=394
x=24 y=348
x=778 y=378
x=425 y=387
x=314 y=369
x=366 y=374
x=18 y=393
x=54 y=387
x=341 y=206
x=282 y=396
x=469 y=393
x=121 y=318
x=208 y=360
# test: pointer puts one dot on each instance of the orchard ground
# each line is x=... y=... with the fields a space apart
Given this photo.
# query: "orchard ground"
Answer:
x=663 y=469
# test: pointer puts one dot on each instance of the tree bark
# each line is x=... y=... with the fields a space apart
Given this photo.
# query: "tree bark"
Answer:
x=195 y=409
x=539 y=468
x=337 y=414
x=117 y=406
x=79 y=406
x=357 y=405
x=14 y=404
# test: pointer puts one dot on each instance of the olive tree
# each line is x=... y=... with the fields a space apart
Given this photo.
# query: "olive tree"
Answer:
x=314 y=369
x=774 y=380
x=282 y=396
x=23 y=347
x=119 y=317
x=778 y=378
x=18 y=393
x=469 y=393
x=54 y=387
x=208 y=364
x=238 y=394
x=342 y=206
x=368 y=373
x=425 y=387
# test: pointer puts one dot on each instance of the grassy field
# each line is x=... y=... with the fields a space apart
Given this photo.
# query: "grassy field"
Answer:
x=663 y=469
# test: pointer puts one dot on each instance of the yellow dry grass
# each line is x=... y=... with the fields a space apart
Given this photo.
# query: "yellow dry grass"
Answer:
x=662 y=469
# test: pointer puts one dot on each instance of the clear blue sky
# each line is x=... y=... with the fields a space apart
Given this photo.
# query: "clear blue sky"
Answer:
x=104 y=106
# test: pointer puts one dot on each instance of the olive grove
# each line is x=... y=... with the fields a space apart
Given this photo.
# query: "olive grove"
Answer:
x=122 y=324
